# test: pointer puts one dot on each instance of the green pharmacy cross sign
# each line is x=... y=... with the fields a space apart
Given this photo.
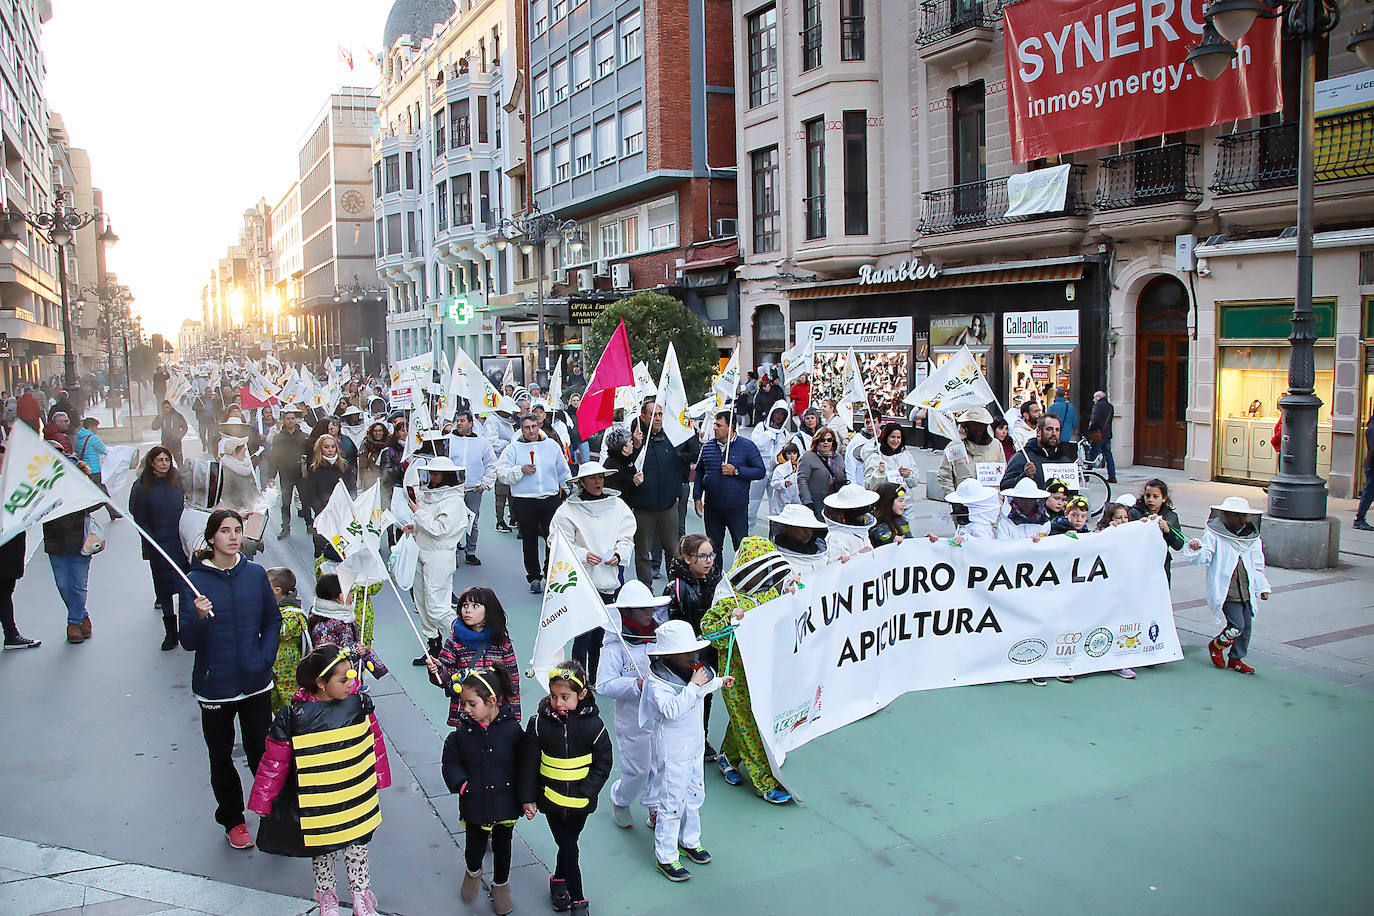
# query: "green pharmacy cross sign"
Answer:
x=458 y=309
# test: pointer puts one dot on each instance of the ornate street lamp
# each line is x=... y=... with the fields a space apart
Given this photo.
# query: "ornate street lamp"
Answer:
x=1295 y=492
x=535 y=231
x=113 y=299
x=57 y=226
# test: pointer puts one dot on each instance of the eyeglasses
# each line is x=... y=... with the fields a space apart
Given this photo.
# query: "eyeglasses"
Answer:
x=702 y=556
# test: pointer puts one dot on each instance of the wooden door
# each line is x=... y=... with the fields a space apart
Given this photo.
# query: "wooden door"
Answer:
x=1161 y=396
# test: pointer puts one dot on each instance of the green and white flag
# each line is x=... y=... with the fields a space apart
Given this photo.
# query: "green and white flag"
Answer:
x=572 y=606
x=672 y=397
x=39 y=484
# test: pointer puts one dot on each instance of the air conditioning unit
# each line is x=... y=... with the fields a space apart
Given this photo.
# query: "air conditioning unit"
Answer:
x=603 y=269
x=727 y=228
x=620 y=276
x=560 y=275
x=584 y=279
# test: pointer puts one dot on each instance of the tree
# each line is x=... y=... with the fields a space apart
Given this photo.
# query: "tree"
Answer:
x=142 y=362
x=652 y=320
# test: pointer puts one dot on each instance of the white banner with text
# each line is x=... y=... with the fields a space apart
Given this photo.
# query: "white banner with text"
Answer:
x=918 y=616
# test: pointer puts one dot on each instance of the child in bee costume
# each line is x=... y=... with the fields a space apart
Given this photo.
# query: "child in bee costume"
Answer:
x=316 y=786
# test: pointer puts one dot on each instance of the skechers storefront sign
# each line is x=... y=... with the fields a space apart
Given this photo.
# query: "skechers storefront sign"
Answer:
x=870 y=274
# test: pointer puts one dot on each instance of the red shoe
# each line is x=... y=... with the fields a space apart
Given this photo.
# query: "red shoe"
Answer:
x=1218 y=654
x=239 y=838
x=1238 y=665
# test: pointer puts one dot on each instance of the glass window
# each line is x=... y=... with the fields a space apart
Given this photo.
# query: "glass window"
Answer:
x=543 y=170
x=462 y=200
x=559 y=77
x=764 y=199
x=582 y=151
x=632 y=129
x=610 y=240
x=629 y=234
x=541 y=92
x=560 y=9
x=856 y=173
x=481 y=119
x=763 y=57
x=851 y=29
x=581 y=67
x=392 y=165
x=631 y=38
x=663 y=223
x=811 y=34
x=605 y=141
x=815 y=178
x=539 y=16
x=562 y=163
x=440 y=146
x=970 y=135
x=605 y=53
x=460 y=124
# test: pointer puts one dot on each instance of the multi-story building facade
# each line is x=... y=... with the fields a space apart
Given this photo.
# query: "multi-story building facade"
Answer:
x=286 y=264
x=30 y=302
x=631 y=134
x=1103 y=293
x=86 y=277
x=449 y=134
x=189 y=339
x=336 y=230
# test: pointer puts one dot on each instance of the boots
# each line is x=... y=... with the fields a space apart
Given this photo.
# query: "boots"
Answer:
x=365 y=903
x=169 y=641
x=329 y=902
x=472 y=883
x=435 y=644
x=581 y=908
x=86 y=626
x=501 y=903
x=74 y=634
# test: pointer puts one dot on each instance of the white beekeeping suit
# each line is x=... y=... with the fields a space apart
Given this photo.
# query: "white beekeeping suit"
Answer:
x=441 y=518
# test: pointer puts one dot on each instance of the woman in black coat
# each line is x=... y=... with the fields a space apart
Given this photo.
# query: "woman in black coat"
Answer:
x=326 y=469
x=155 y=501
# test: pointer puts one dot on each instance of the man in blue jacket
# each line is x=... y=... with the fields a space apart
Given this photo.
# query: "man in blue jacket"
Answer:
x=1068 y=414
x=725 y=484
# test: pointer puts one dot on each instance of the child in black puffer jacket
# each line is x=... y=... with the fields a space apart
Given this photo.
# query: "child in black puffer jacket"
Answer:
x=567 y=758
x=481 y=765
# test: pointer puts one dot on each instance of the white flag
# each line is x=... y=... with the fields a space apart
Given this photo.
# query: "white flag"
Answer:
x=470 y=382
x=337 y=522
x=368 y=513
x=942 y=423
x=38 y=484
x=509 y=377
x=556 y=386
x=801 y=358
x=957 y=385
x=672 y=397
x=572 y=606
x=853 y=391
x=727 y=386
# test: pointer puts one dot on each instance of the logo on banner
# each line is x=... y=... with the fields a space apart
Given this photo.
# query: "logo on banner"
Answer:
x=1154 y=631
x=1100 y=642
x=790 y=719
x=562 y=577
x=1028 y=651
x=489 y=399
x=41 y=475
x=1128 y=637
x=1066 y=644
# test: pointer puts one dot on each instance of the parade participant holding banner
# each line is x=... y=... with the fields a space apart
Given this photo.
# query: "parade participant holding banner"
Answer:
x=849 y=518
x=976 y=510
x=1057 y=503
x=1044 y=458
x=800 y=537
x=756 y=578
x=1025 y=516
x=975 y=455
x=672 y=707
x=1154 y=503
x=891 y=527
x=156 y=501
x=230 y=620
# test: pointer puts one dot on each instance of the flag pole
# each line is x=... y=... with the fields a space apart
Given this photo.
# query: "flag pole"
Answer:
x=158 y=547
x=405 y=612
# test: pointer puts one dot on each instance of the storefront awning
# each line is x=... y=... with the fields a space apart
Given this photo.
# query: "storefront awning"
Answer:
x=951 y=278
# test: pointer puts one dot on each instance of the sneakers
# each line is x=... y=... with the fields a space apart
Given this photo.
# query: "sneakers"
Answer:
x=1064 y=678
x=283 y=534
x=472 y=883
x=501 y=904
x=536 y=586
x=622 y=816
x=74 y=634
x=581 y=908
x=239 y=839
x=652 y=820
x=472 y=560
x=727 y=769
x=1039 y=681
x=699 y=856
x=710 y=753
x=1218 y=653
x=559 y=896
x=18 y=642
x=329 y=902
x=1362 y=525
x=778 y=796
x=502 y=526
x=1127 y=673
x=1238 y=665
x=674 y=871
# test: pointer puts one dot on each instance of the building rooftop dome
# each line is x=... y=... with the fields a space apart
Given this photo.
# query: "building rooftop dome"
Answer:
x=415 y=17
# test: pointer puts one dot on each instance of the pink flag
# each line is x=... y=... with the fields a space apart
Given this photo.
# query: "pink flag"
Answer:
x=613 y=371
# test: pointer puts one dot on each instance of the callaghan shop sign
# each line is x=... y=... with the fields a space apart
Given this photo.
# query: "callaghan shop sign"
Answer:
x=870 y=274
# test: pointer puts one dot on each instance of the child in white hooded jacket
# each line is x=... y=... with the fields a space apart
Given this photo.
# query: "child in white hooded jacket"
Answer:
x=1231 y=549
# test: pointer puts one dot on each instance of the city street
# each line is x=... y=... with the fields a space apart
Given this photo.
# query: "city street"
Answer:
x=1184 y=789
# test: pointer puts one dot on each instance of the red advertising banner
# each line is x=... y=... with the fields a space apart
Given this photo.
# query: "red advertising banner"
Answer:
x=1089 y=73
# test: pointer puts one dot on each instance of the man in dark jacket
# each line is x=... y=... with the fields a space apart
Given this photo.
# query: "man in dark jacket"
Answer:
x=289 y=448
x=766 y=396
x=1044 y=448
x=721 y=489
x=62 y=404
x=174 y=428
x=1100 y=432
x=1367 y=496
x=654 y=497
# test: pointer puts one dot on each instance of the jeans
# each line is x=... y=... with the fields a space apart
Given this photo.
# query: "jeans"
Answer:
x=533 y=515
x=71 y=571
x=1103 y=448
x=475 y=848
x=654 y=525
x=718 y=521
x=502 y=497
x=290 y=482
x=217 y=725
x=469 y=541
x=566 y=828
x=1240 y=615
x=758 y=489
x=583 y=453
x=1367 y=496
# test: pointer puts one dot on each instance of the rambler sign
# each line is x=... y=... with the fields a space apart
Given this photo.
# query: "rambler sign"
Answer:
x=870 y=274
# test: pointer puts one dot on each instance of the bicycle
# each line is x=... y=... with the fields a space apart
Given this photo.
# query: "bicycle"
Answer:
x=1091 y=484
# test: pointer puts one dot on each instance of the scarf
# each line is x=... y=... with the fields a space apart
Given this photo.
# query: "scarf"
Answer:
x=478 y=641
x=333 y=610
x=637 y=634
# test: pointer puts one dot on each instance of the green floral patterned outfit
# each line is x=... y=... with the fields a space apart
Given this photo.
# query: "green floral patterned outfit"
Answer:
x=290 y=650
x=743 y=745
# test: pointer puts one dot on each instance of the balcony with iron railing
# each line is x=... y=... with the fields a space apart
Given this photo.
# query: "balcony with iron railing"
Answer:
x=954 y=32
x=1257 y=169
x=1148 y=192
x=972 y=217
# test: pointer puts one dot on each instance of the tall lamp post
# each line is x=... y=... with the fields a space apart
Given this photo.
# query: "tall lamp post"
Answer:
x=1295 y=492
x=57 y=226
x=355 y=291
x=535 y=231
x=114 y=300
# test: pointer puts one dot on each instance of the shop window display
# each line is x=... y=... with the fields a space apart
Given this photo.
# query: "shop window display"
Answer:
x=1250 y=381
x=886 y=378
